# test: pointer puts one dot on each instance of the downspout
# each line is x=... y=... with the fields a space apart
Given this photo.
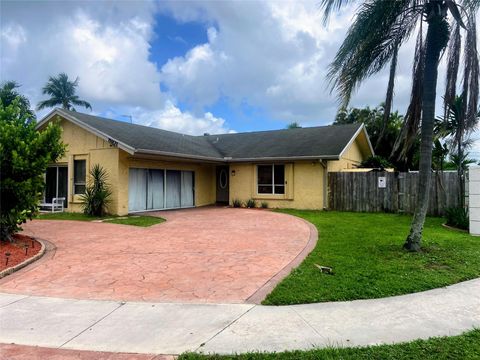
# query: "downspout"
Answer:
x=325 y=183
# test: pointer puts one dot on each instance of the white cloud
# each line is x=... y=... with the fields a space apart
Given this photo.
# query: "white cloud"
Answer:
x=108 y=48
x=272 y=56
x=173 y=119
x=111 y=61
x=264 y=53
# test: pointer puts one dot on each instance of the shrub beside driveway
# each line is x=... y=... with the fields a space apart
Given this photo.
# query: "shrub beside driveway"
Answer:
x=365 y=253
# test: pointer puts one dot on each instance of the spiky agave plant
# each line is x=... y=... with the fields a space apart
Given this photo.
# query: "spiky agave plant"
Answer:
x=378 y=30
x=97 y=194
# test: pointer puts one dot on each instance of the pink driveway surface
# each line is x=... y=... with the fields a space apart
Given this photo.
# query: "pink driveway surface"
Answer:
x=22 y=352
x=197 y=255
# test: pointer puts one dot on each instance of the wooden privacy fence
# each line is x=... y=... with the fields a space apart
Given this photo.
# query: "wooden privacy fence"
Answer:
x=389 y=192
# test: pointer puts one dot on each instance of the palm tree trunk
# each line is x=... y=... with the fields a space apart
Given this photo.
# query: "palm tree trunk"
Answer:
x=437 y=37
x=389 y=98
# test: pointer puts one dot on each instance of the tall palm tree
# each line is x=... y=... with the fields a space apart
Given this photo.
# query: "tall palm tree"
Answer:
x=62 y=92
x=379 y=27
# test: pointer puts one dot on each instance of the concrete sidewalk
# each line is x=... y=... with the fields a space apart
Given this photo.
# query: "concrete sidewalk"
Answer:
x=166 y=328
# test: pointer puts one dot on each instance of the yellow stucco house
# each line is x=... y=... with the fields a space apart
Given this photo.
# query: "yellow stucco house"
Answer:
x=153 y=169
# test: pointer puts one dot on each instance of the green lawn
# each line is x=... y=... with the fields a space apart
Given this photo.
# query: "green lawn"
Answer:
x=365 y=252
x=462 y=347
x=69 y=216
x=144 y=221
x=135 y=220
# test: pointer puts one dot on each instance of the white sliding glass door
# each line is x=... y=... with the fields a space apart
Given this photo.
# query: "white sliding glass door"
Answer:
x=156 y=189
x=56 y=184
x=173 y=189
x=187 y=189
x=137 y=190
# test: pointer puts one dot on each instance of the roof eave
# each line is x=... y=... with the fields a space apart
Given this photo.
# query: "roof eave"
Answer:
x=285 y=158
x=234 y=160
x=129 y=149
x=350 y=142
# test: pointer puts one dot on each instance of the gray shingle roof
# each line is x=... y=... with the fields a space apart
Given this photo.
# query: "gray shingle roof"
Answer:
x=325 y=141
x=321 y=141
x=148 y=138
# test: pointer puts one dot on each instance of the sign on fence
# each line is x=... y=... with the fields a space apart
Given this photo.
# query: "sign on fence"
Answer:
x=390 y=192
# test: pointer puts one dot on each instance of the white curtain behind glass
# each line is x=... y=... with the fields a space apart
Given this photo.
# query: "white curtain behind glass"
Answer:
x=173 y=189
x=187 y=189
x=155 y=189
x=137 y=189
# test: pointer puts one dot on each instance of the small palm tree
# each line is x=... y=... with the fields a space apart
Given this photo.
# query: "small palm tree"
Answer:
x=379 y=28
x=294 y=125
x=62 y=92
x=457 y=127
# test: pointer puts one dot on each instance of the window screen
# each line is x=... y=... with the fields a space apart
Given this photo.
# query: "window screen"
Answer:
x=79 y=175
x=271 y=179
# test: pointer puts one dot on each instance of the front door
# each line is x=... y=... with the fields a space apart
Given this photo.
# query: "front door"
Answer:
x=222 y=184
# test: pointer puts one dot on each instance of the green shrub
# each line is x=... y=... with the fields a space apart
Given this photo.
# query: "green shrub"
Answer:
x=24 y=156
x=97 y=194
x=375 y=162
x=457 y=217
x=264 y=205
x=251 y=203
x=237 y=203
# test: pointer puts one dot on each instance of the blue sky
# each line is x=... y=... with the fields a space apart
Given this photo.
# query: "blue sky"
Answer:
x=190 y=66
x=173 y=38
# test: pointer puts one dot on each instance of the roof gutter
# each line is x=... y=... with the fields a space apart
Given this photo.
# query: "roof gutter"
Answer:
x=234 y=160
x=286 y=158
x=178 y=155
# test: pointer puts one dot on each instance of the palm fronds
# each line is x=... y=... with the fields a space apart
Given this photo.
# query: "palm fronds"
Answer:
x=453 y=63
x=62 y=93
x=471 y=71
x=389 y=97
x=364 y=52
x=411 y=125
x=330 y=6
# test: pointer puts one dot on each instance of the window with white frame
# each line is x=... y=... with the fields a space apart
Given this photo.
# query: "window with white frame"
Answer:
x=271 y=179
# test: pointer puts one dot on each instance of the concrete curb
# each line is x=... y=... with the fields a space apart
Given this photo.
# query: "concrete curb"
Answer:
x=260 y=294
x=172 y=328
x=26 y=262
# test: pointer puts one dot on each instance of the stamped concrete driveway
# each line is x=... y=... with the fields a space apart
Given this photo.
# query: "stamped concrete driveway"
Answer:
x=197 y=255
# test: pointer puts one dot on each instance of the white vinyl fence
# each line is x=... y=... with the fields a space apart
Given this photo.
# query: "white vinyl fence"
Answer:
x=474 y=200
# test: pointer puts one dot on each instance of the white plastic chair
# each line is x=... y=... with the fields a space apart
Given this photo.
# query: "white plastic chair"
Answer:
x=55 y=206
